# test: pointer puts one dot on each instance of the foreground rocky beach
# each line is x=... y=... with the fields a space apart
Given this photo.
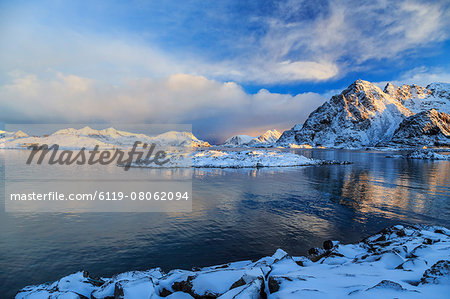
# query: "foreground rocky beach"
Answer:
x=400 y=262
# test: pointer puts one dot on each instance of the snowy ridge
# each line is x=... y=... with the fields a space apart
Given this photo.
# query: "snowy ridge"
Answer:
x=106 y=139
x=364 y=115
x=425 y=128
x=398 y=262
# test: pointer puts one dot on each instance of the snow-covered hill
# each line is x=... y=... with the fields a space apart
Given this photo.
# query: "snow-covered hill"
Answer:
x=105 y=139
x=269 y=137
x=364 y=115
x=206 y=158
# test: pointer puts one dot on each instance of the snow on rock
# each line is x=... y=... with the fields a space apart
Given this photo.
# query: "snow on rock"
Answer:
x=364 y=115
x=427 y=155
x=398 y=262
x=427 y=128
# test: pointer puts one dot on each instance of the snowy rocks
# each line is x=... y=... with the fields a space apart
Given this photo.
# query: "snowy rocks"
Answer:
x=398 y=262
x=438 y=273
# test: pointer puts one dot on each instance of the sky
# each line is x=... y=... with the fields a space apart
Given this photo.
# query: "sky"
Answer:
x=226 y=67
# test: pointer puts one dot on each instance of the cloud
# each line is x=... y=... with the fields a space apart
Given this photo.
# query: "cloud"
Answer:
x=421 y=76
x=349 y=33
x=216 y=110
x=293 y=41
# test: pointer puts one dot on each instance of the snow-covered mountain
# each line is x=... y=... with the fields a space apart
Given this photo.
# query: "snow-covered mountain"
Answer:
x=364 y=115
x=425 y=128
x=269 y=137
x=238 y=140
x=106 y=138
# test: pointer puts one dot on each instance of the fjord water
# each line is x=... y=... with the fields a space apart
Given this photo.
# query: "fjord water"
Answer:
x=237 y=214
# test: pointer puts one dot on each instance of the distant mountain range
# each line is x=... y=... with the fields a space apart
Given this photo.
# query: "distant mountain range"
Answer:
x=364 y=115
x=89 y=138
x=268 y=138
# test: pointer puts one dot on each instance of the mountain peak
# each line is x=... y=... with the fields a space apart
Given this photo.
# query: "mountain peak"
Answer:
x=390 y=88
x=362 y=82
x=363 y=86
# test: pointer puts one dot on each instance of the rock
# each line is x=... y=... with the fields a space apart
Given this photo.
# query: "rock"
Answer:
x=300 y=263
x=387 y=284
x=118 y=291
x=184 y=285
x=313 y=251
x=273 y=285
x=438 y=272
x=327 y=245
x=401 y=233
x=255 y=289
x=238 y=283
x=164 y=292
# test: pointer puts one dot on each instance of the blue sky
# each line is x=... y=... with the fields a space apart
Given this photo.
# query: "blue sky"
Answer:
x=225 y=66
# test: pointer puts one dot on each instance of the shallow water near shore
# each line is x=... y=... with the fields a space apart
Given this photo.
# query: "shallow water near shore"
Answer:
x=237 y=214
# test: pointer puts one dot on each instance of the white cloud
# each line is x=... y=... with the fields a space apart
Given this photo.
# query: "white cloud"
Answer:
x=294 y=47
x=356 y=31
x=215 y=109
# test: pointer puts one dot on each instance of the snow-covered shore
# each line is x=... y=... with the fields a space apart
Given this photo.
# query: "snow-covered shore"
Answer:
x=423 y=155
x=239 y=159
x=398 y=262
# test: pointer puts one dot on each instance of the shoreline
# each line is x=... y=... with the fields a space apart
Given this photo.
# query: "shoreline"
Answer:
x=399 y=261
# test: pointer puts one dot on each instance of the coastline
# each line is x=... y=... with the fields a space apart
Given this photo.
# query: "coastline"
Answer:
x=400 y=261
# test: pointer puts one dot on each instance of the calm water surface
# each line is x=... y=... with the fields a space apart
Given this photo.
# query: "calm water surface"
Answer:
x=237 y=214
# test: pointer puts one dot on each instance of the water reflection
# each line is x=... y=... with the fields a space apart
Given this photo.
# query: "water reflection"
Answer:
x=237 y=214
